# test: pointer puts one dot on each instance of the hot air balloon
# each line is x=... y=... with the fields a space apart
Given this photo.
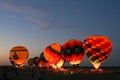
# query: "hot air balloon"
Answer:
x=97 y=48
x=30 y=62
x=35 y=60
x=42 y=57
x=73 y=51
x=18 y=55
x=40 y=63
x=52 y=54
x=47 y=65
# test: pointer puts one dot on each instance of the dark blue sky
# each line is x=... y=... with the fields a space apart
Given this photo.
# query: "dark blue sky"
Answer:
x=38 y=23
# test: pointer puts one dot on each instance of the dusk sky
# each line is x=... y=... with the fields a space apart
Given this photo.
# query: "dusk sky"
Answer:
x=35 y=24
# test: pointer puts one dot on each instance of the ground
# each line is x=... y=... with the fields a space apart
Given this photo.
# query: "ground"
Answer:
x=67 y=73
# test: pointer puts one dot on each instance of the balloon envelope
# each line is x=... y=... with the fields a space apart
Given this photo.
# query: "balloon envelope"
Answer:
x=73 y=51
x=42 y=57
x=47 y=65
x=52 y=54
x=35 y=60
x=97 y=48
x=30 y=61
x=18 y=55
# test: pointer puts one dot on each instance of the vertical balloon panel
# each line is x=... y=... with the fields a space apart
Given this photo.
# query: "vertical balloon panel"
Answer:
x=18 y=55
x=97 y=49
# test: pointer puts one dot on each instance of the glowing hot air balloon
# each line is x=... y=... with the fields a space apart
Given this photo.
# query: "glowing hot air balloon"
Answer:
x=40 y=63
x=73 y=51
x=18 y=55
x=97 y=48
x=52 y=54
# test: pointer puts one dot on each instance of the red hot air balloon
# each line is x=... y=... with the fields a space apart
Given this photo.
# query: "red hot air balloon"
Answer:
x=52 y=54
x=73 y=51
x=18 y=55
x=97 y=48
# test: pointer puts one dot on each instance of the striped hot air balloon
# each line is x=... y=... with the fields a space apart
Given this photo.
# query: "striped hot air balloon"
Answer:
x=18 y=55
x=52 y=54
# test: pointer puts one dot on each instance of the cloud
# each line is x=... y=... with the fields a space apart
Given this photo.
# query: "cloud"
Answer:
x=42 y=25
x=21 y=6
x=33 y=13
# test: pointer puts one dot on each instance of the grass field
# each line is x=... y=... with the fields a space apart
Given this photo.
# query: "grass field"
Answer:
x=84 y=73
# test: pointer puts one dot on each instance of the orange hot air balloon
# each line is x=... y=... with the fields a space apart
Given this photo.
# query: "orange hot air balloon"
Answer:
x=97 y=48
x=18 y=55
x=73 y=51
x=52 y=54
